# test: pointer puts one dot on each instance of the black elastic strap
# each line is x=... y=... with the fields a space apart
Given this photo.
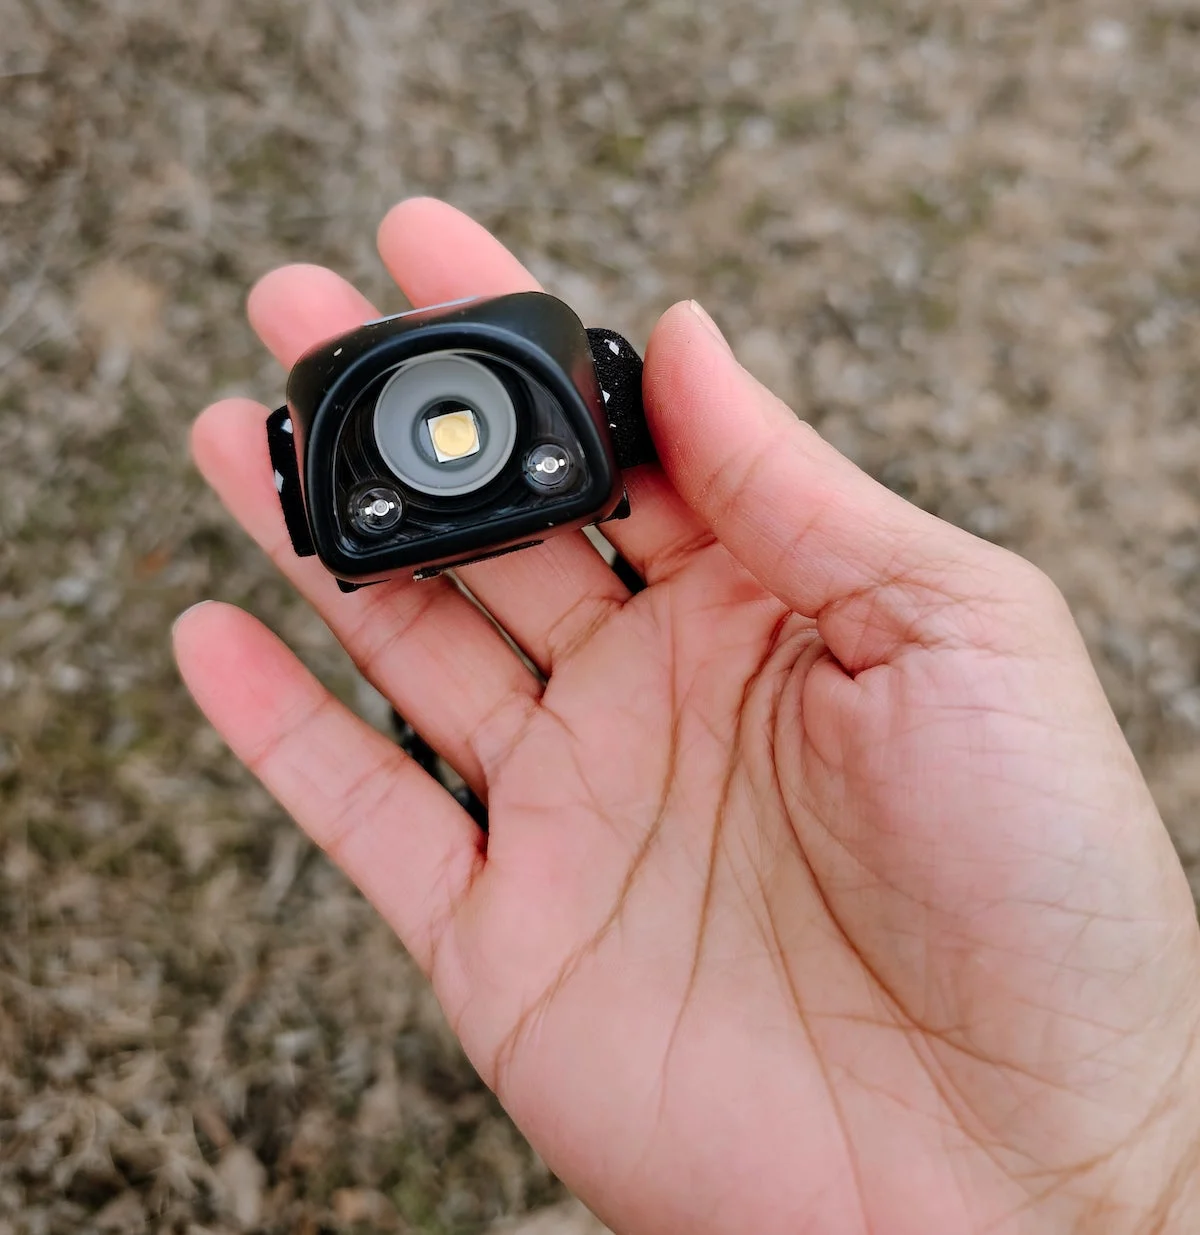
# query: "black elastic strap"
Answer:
x=282 y=445
x=619 y=370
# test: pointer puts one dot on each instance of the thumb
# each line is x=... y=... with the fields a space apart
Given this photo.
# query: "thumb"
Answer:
x=875 y=572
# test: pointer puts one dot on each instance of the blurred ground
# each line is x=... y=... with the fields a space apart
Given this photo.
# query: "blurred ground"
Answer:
x=962 y=239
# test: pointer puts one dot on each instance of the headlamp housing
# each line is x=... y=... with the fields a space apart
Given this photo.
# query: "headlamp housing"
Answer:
x=445 y=435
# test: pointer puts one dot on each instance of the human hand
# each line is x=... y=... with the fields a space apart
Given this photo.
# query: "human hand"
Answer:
x=822 y=892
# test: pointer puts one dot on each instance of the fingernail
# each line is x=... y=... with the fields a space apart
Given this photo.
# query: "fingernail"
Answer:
x=707 y=322
x=190 y=609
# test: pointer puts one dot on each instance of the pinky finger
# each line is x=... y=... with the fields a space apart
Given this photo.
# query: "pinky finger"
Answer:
x=403 y=841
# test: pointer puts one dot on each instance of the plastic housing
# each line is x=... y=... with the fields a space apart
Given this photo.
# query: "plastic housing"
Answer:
x=533 y=337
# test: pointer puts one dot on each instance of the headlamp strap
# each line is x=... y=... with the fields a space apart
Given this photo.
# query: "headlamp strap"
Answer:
x=282 y=445
x=619 y=370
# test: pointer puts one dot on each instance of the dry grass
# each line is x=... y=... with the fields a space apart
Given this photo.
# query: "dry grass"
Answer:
x=961 y=239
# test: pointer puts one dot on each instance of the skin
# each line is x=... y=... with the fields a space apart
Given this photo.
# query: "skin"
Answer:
x=822 y=893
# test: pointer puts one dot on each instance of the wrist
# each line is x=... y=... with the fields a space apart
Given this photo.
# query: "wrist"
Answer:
x=1149 y=1184
x=1164 y=1172
x=1180 y=1208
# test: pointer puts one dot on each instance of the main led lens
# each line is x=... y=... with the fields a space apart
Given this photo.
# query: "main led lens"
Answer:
x=445 y=424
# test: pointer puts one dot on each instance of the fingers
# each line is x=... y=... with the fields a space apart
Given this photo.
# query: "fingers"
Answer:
x=296 y=307
x=550 y=599
x=436 y=253
x=876 y=573
x=662 y=532
x=423 y=645
x=396 y=833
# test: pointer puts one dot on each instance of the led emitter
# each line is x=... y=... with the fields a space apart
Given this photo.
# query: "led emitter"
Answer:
x=455 y=435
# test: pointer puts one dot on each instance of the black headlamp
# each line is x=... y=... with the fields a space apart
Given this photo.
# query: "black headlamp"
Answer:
x=448 y=435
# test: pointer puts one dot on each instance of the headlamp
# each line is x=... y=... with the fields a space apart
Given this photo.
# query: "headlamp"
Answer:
x=443 y=436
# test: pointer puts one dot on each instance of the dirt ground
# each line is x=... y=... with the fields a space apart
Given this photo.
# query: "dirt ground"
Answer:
x=962 y=239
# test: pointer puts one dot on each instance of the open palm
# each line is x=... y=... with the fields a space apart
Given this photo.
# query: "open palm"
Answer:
x=822 y=892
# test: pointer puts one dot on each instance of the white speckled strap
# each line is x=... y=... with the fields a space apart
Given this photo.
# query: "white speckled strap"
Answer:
x=619 y=370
